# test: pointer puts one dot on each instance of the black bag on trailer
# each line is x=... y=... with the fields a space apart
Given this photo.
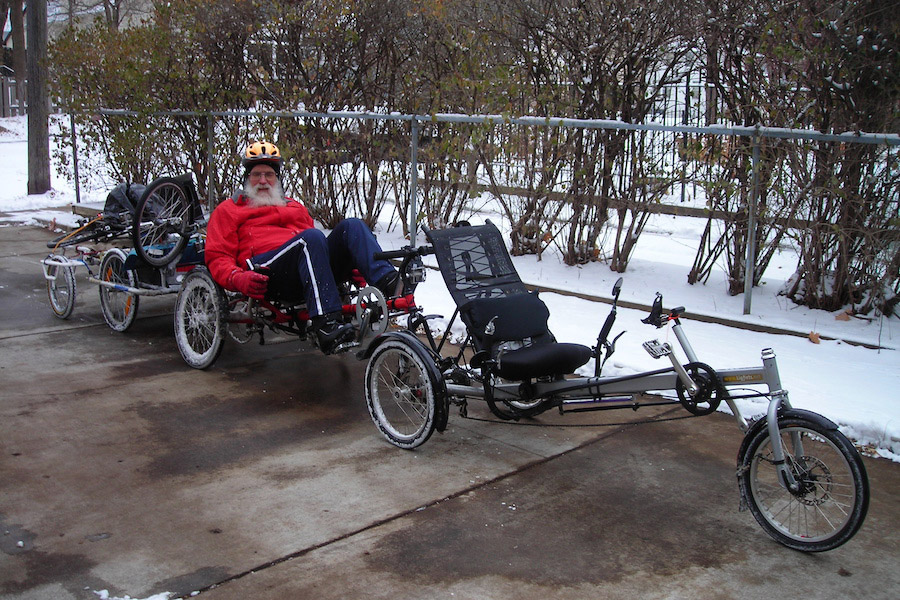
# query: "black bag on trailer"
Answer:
x=122 y=200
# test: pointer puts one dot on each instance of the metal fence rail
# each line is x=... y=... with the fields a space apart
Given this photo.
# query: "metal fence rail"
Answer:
x=755 y=135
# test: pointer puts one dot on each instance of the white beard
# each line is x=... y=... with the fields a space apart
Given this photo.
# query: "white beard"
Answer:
x=273 y=196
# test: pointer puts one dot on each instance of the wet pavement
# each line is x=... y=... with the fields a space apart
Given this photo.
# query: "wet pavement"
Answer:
x=122 y=469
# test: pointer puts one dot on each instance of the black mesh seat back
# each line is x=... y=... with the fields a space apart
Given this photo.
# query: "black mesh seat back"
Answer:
x=474 y=263
x=496 y=306
x=484 y=284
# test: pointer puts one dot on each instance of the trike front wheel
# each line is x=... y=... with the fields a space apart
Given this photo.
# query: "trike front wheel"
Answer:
x=200 y=319
x=833 y=495
x=400 y=394
x=119 y=306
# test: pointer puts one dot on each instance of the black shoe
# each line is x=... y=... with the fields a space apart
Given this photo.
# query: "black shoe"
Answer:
x=391 y=285
x=330 y=332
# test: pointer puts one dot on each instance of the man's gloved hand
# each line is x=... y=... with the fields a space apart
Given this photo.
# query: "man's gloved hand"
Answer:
x=250 y=283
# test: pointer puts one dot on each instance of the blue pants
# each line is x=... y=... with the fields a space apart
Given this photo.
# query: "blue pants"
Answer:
x=306 y=267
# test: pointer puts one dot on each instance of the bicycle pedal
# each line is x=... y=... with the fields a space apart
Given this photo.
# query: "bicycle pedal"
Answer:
x=657 y=350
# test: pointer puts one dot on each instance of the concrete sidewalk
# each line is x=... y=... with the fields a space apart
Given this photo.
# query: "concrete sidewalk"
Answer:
x=122 y=469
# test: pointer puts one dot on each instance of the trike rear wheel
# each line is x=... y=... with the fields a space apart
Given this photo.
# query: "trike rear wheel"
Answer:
x=400 y=394
x=833 y=498
x=200 y=319
x=162 y=220
x=119 y=307
x=61 y=288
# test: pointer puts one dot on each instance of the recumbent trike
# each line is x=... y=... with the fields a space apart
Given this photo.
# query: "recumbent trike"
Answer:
x=205 y=313
x=803 y=481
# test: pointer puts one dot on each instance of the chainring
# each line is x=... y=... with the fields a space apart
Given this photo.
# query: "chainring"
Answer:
x=709 y=392
x=371 y=312
x=241 y=332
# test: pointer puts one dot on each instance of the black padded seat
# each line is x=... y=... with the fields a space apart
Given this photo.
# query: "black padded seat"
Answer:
x=523 y=318
x=542 y=361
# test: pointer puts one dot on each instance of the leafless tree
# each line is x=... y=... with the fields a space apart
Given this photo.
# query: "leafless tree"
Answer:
x=17 y=27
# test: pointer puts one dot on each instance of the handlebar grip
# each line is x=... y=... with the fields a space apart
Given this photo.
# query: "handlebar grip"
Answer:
x=403 y=253
x=389 y=254
x=607 y=327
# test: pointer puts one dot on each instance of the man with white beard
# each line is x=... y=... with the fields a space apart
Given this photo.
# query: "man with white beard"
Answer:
x=264 y=245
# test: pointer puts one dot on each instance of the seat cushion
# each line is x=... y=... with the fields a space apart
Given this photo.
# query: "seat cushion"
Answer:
x=541 y=361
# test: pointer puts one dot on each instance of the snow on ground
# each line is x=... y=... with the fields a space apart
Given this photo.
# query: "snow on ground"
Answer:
x=854 y=386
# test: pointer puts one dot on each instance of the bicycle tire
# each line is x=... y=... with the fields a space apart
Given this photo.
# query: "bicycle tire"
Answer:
x=61 y=290
x=90 y=234
x=833 y=498
x=162 y=220
x=200 y=319
x=400 y=395
x=119 y=307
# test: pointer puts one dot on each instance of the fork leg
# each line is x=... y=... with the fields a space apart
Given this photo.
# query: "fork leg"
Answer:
x=778 y=399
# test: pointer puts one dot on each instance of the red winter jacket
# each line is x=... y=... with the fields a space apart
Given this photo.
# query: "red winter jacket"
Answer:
x=237 y=231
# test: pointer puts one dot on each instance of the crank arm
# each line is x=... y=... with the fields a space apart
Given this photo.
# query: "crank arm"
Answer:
x=658 y=350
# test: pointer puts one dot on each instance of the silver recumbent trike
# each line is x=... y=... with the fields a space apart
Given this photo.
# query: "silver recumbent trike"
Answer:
x=803 y=481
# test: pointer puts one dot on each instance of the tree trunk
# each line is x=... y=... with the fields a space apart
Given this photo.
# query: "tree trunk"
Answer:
x=17 y=25
x=38 y=101
x=112 y=11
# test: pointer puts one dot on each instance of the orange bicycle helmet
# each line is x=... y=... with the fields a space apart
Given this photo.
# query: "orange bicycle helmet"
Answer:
x=261 y=153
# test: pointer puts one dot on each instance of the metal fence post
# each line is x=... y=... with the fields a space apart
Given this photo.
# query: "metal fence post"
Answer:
x=684 y=137
x=413 y=179
x=75 y=158
x=210 y=181
x=750 y=261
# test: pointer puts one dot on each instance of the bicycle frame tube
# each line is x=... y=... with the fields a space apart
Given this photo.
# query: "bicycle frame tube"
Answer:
x=683 y=341
x=137 y=291
x=621 y=389
x=61 y=262
x=599 y=389
x=568 y=389
x=84 y=259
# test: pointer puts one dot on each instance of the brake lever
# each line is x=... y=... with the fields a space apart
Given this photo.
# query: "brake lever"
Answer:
x=610 y=349
x=612 y=345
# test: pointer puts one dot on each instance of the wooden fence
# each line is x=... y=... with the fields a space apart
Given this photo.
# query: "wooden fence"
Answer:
x=9 y=105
